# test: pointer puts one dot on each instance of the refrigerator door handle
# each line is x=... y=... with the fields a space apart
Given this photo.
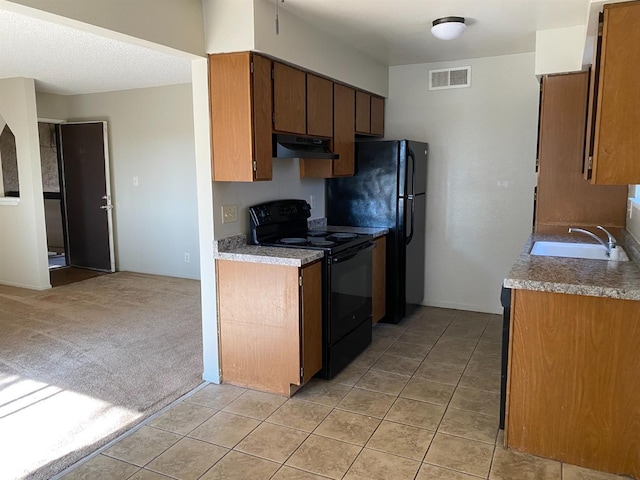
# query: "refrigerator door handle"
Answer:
x=410 y=197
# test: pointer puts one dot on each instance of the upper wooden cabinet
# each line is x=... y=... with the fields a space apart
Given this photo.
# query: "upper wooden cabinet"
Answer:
x=343 y=139
x=363 y=112
x=615 y=145
x=319 y=106
x=564 y=199
x=252 y=97
x=369 y=114
x=377 y=116
x=289 y=99
x=241 y=116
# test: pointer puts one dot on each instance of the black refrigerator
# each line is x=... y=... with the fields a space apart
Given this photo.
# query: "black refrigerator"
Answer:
x=388 y=190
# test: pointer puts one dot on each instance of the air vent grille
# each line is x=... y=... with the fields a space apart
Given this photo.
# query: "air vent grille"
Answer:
x=457 y=77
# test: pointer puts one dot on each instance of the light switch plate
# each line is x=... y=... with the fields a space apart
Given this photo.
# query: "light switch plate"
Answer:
x=229 y=213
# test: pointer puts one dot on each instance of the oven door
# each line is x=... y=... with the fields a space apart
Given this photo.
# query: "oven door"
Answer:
x=349 y=288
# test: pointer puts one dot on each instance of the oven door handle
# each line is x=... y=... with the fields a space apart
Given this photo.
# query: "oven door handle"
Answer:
x=350 y=254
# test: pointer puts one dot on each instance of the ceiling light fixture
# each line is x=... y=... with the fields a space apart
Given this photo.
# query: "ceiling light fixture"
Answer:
x=448 y=28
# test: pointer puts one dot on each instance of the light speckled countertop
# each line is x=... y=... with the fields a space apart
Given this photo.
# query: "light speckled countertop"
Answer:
x=577 y=276
x=236 y=247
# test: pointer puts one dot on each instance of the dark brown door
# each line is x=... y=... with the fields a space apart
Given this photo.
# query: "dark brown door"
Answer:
x=87 y=195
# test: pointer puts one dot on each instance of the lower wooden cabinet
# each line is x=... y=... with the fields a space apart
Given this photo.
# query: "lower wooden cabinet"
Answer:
x=270 y=324
x=573 y=380
x=379 y=305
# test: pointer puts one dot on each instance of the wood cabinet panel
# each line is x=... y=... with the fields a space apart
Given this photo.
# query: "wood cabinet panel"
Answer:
x=564 y=198
x=262 y=117
x=319 y=106
x=240 y=103
x=344 y=130
x=343 y=139
x=255 y=334
x=270 y=327
x=617 y=144
x=311 y=320
x=377 y=116
x=289 y=99
x=363 y=112
x=573 y=380
x=379 y=305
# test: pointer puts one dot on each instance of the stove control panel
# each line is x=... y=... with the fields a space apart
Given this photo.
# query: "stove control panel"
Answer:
x=279 y=212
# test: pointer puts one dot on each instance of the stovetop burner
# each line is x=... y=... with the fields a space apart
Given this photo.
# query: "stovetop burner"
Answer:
x=293 y=241
x=343 y=235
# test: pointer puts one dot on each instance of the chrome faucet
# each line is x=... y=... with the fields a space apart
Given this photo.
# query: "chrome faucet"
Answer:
x=608 y=246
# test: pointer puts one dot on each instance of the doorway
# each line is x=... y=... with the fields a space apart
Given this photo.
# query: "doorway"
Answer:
x=77 y=200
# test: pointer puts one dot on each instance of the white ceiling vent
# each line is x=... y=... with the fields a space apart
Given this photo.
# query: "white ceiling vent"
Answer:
x=457 y=77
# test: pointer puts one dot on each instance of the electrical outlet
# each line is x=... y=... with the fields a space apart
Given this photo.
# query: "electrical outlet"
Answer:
x=187 y=257
x=229 y=213
x=135 y=181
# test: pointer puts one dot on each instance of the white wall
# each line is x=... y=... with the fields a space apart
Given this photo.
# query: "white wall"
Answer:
x=174 y=23
x=151 y=137
x=237 y=25
x=303 y=44
x=286 y=183
x=480 y=173
x=23 y=239
x=559 y=50
x=228 y=25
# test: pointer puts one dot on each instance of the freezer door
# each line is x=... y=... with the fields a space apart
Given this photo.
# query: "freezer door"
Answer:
x=417 y=153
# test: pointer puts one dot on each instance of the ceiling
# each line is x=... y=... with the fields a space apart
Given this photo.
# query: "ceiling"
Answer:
x=65 y=59
x=70 y=57
x=397 y=32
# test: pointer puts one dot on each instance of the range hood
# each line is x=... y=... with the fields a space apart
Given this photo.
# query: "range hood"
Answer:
x=294 y=146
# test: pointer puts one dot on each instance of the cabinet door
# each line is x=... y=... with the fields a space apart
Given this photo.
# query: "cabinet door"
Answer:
x=231 y=124
x=616 y=147
x=311 y=321
x=363 y=112
x=259 y=322
x=240 y=108
x=343 y=130
x=377 y=116
x=289 y=99
x=319 y=106
x=378 y=307
x=262 y=113
x=564 y=199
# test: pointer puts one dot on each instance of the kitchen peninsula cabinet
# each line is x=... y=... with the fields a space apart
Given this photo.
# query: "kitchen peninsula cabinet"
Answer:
x=573 y=379
x=343 y=139
x=241 y=117
x=270 y=324
x=564 y=199
x=379 y=277
x=613 y=147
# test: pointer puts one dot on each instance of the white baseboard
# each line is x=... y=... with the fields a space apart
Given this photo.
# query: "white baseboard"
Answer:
x=494 y=309
x=22 y=285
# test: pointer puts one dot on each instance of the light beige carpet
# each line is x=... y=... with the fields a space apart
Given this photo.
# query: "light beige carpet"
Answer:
x=82 y=363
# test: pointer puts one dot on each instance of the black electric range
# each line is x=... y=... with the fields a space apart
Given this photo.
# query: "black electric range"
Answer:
x=347 y=270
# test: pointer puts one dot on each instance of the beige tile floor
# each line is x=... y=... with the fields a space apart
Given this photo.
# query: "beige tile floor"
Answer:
x=421 y=403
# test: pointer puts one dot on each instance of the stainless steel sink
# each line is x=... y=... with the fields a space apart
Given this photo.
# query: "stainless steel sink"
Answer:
x=577 y=250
